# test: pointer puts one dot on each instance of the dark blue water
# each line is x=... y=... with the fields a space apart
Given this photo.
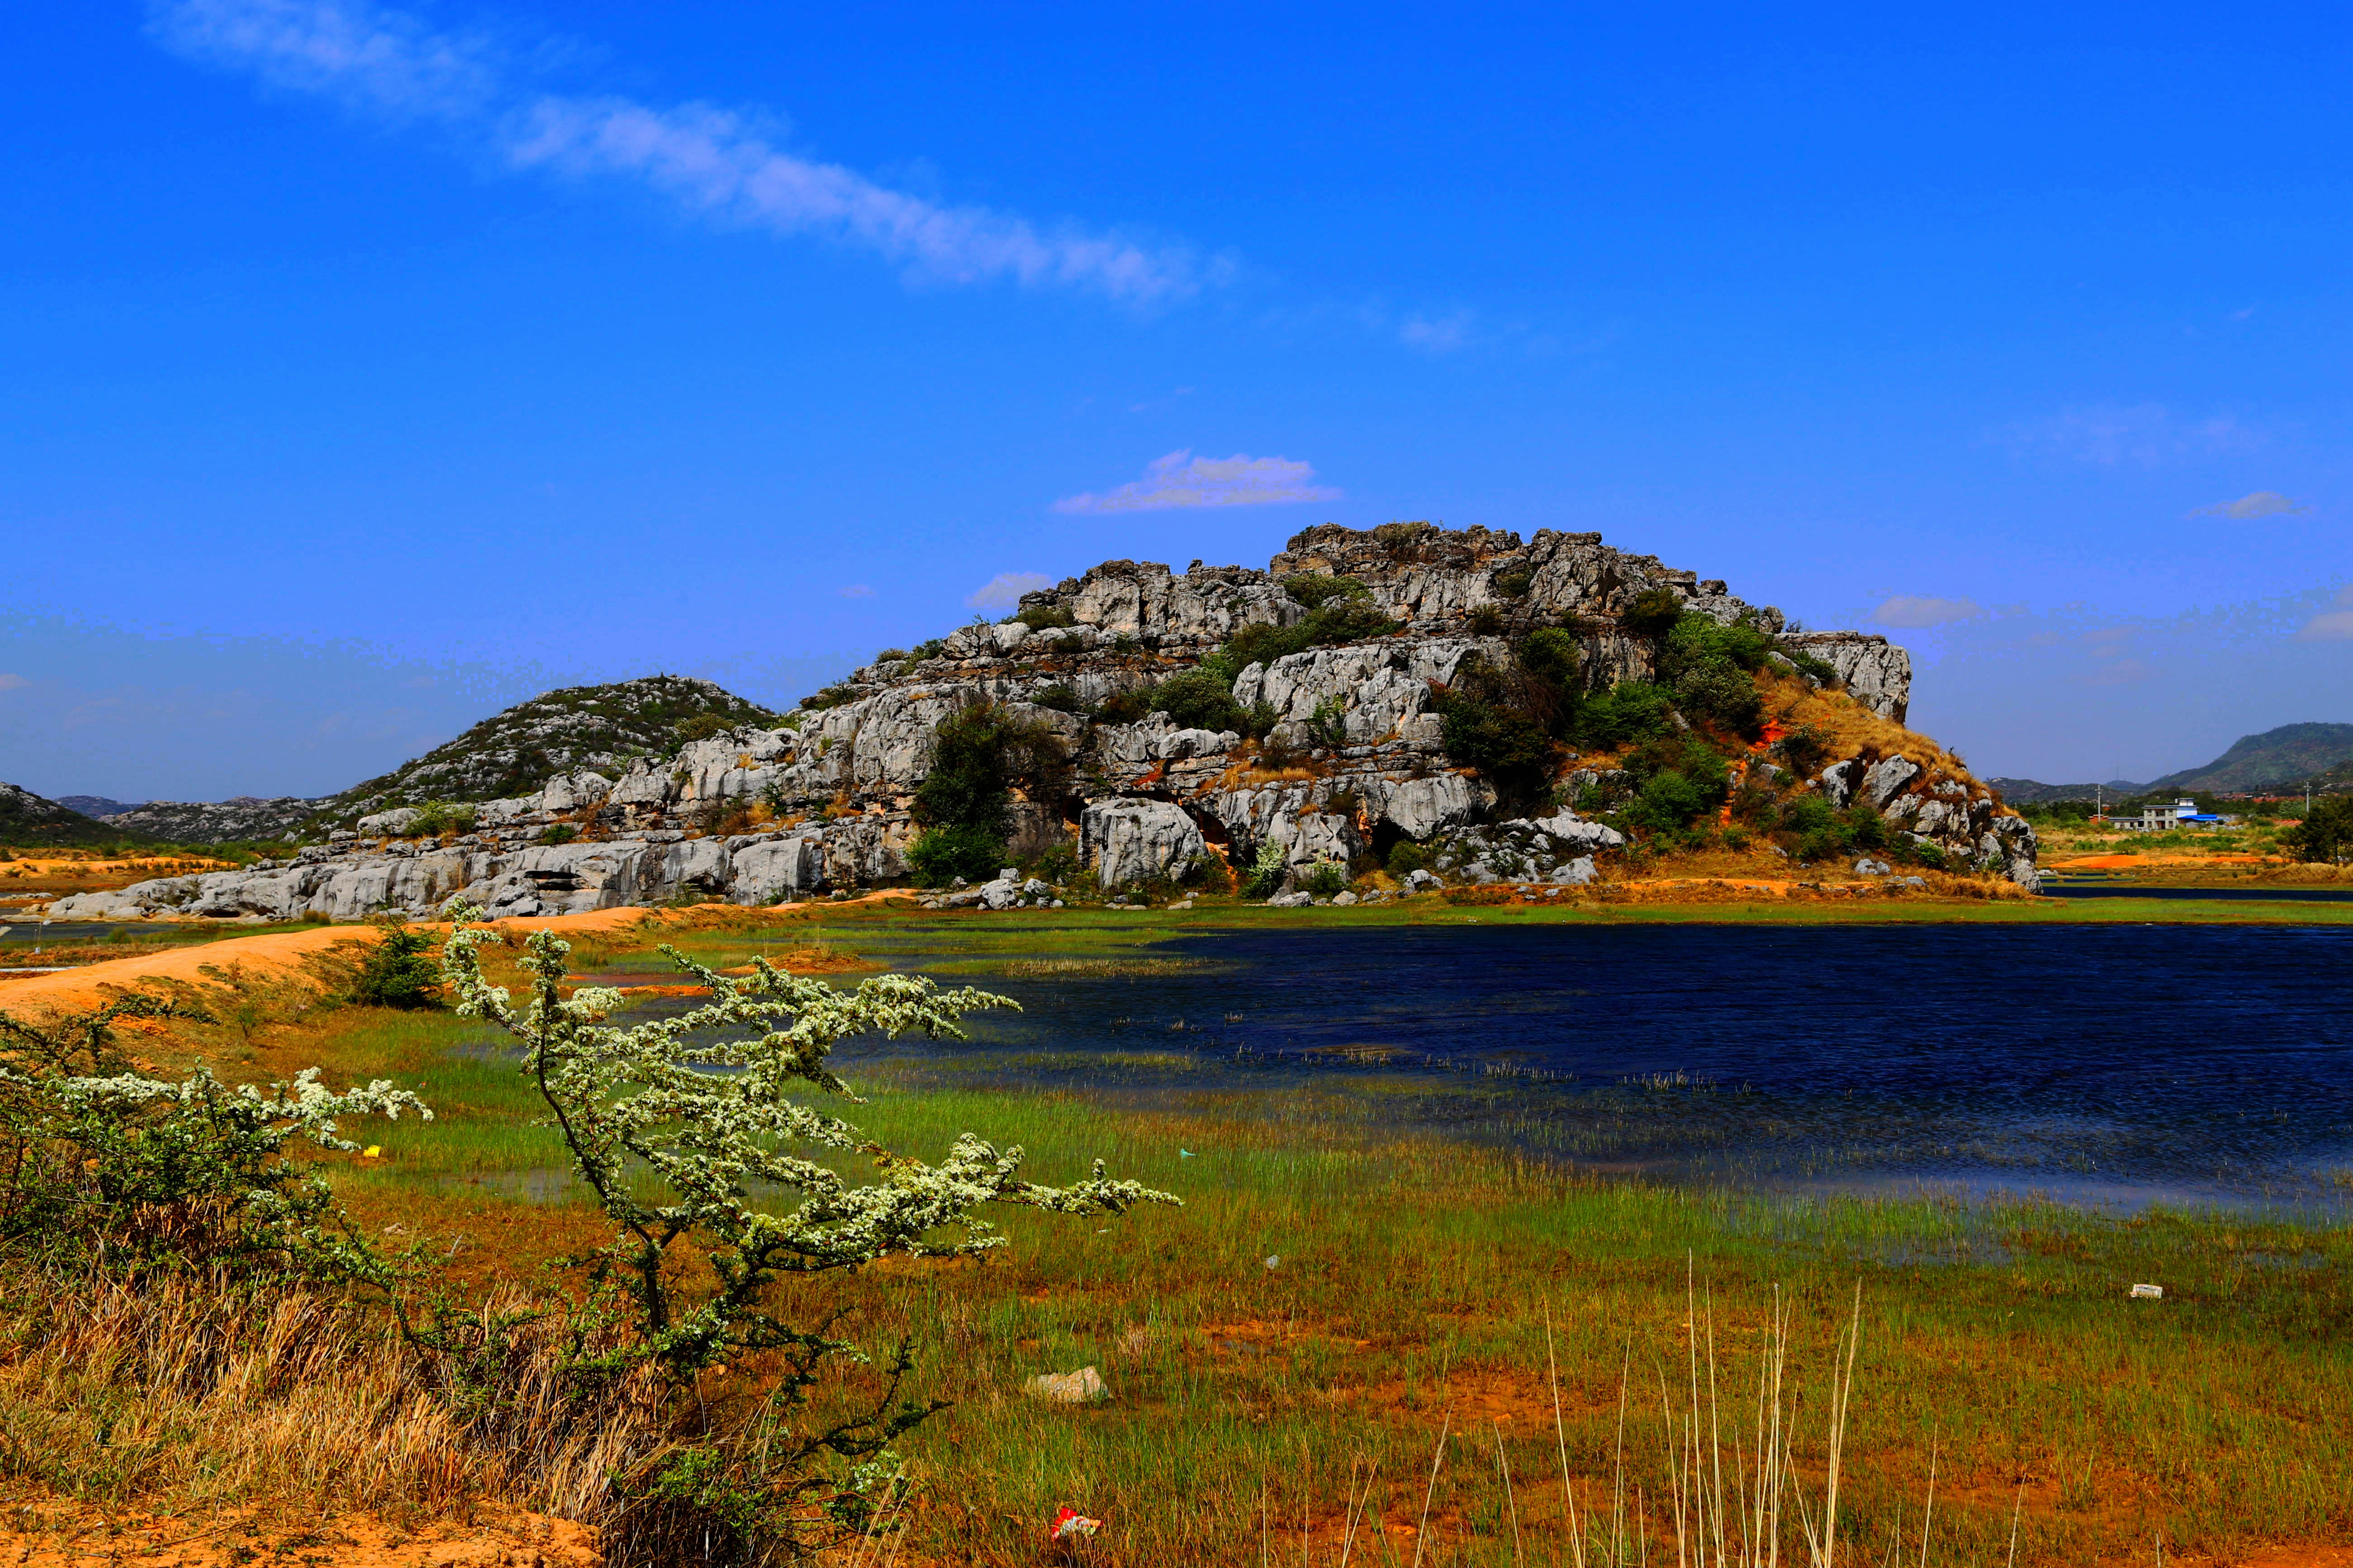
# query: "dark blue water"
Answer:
x=2121 y=1065
x=2053 y=888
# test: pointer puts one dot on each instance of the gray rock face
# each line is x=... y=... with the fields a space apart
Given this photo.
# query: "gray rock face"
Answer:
x=1131 y=840
x=243 y=817
x=1874 y=671
x=821 y=803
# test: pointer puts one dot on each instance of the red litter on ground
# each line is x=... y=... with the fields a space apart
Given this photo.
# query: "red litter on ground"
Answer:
x=1070 y=1524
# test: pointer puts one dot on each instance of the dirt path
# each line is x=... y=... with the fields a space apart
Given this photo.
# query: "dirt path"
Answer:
x=275 y=953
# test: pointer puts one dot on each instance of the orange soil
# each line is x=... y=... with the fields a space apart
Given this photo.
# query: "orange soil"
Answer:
x=81 y=1534
x=277 y=953
x=2130 y=862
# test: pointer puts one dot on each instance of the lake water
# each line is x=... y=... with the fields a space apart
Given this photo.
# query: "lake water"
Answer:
x=2112 y=1064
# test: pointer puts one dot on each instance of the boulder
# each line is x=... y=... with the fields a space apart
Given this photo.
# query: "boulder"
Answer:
x=763 y=870
x=1130 y=840
x=1421 y=807
x=1886 y=778
x=1838 y=782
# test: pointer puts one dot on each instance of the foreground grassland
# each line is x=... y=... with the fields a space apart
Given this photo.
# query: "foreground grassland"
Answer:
x=1338 y=1309
x=1341 y=1312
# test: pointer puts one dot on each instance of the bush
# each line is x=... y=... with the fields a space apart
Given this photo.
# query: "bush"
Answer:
x=1341 y=616
x=399 y=970
x=1721 y=693
x=441 y=818
x=1486 y=621
x=558 y=833
x=1497 y=741
x=1709 y=664
x=2326 y=834
x=1325 y=879
x=1627 y=714
x=1406 y=857
x=1804 y=749
x=978 y=754
x=1197 y=699
x=701 y=727
x=98 y=1164
x=1058 y=696
x=1328 y=726
x=1652 y=615
x=1515 y=582
x=1314 y=592
x=941 y=855
x=1265 y=872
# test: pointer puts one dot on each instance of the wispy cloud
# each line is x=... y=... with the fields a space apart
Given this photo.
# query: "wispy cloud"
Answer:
x=2247 y=508
x=856 y=591
x=2331 y=625
x=2147 y=434
x=719 y=163
x=12 y=682
x=1004 y=591
x=1182 y=480
x=1919 y=610
x=1442 y=335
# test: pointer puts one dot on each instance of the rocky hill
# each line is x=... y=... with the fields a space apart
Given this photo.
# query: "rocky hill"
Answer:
x=95 y=805
x=1449 y=705
x=598 y=727
x=239 y=819
x=29 y=821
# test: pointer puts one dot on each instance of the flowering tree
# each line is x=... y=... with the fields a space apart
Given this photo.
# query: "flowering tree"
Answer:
x=100 y=1157
x=673 y=1121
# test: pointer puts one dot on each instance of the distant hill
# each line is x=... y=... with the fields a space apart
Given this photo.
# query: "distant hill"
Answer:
x=29 y=821
x=241 y=818
x=2280 y=759
x=95 y=804
x=2275 y=759
x=2027 y=792
x=516 y=751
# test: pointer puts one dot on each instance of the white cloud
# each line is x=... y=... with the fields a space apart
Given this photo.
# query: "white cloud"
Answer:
x=2261 y=503
x=1181 y=479
x=2145 y=433
x=1439 y=337
x=856 y=591
x=13 y=682
x=1917 y=610
x=2331 y=626
x=716 y=162
x=1004 y=591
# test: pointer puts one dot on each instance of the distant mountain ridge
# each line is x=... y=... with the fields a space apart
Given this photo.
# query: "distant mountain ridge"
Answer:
x=240 y=818
x=33 y=820
x=516 y=750
x=2279 y=759
x=96 y=806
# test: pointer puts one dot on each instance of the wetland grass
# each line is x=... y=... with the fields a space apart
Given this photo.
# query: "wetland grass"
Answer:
x=1362 y=1345
x=1432 y=1294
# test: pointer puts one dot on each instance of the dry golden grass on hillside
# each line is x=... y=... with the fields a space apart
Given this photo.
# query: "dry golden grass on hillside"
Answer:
x=1854 y=728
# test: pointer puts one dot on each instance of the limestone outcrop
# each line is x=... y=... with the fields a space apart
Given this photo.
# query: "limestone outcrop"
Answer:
x=1335 y=751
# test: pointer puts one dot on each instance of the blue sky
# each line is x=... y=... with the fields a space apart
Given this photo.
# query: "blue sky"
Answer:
x=365 y=368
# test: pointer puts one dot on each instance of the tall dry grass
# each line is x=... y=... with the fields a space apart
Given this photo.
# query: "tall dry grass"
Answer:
x=200 y=1390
